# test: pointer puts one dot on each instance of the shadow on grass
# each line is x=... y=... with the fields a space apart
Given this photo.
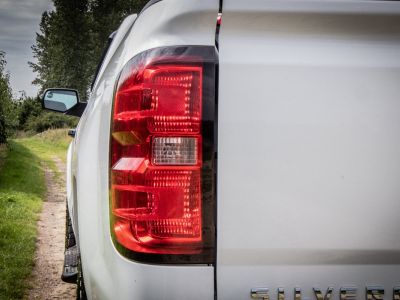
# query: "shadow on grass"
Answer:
x=22 y=187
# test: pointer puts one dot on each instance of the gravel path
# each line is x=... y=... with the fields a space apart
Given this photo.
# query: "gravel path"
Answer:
x=46 y=282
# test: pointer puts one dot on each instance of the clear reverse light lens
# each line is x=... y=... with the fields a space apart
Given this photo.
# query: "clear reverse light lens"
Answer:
x=175 y=151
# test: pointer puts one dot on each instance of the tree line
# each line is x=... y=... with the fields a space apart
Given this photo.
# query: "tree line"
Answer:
x=73 y=38
x=68 y=49
x=24 y=113
x=6 y=109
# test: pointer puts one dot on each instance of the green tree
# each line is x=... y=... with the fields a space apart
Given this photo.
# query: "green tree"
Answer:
x=7 y=121
x=72 y=39
x=62 y=47
x=48 y=53
x=28 y=108
x=105 y=17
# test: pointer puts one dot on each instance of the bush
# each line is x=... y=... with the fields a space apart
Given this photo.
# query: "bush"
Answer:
x=28 y=108
x=33 y=119
x=49 y=120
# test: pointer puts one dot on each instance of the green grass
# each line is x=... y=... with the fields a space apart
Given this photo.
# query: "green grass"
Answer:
x=22 y=188
x=49 y=144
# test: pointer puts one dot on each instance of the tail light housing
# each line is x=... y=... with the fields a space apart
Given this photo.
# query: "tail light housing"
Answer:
x=162 y=168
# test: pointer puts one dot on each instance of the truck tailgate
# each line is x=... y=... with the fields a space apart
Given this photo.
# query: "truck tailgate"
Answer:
x=309 y=148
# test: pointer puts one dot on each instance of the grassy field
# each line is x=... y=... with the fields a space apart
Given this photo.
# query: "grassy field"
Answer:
x=22 y=189
x=49 y=144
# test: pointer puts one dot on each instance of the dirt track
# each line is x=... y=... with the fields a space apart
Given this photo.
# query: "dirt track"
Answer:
x=46 y=282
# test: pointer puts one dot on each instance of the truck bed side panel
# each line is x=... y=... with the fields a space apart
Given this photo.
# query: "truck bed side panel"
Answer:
x=309 y=147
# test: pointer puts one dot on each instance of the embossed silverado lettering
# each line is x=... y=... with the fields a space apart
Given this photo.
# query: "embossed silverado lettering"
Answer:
x=346 y=293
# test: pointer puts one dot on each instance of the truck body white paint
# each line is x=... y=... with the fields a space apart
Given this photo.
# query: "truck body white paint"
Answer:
x=308 y=147
x=107 y=274
x=308 y=150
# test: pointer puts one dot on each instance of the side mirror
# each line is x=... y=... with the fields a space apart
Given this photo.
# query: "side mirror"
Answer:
x=64 y=101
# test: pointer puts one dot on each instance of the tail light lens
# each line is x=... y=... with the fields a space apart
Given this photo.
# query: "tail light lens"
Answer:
x=162 y=156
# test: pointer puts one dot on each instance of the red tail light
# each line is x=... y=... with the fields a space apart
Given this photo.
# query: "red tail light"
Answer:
x=162 y=192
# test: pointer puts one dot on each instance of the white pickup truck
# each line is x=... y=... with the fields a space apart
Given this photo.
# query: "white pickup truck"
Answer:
x=253 y=157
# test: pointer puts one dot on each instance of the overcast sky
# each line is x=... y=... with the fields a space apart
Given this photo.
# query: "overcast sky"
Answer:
x=19 y=22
